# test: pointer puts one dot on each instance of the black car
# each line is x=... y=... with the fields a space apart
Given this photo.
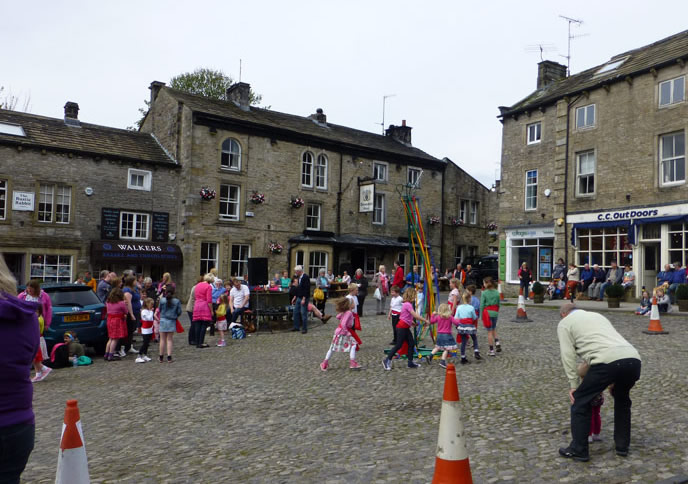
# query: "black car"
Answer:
x=482 y=267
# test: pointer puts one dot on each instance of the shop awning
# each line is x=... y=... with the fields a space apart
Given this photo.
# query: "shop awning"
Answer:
x=632 y=225
x=351 y=240
x=168 y=255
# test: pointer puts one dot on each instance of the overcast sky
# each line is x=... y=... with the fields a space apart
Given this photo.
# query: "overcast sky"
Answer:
x=449 y=64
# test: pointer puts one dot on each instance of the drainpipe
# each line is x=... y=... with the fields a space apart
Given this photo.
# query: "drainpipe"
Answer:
x=444 y=172
x=566 y=173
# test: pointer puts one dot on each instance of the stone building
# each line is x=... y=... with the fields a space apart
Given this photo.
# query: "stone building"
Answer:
x=76 y=196
x=347 y=179
x=594 y=166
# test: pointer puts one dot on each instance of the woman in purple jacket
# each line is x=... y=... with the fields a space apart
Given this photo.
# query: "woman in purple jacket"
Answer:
x=19 y=336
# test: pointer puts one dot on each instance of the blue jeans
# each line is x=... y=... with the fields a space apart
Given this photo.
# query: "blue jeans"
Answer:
x=301 y=314
x=16 y=444
x=603 y=288
x=672 y=292
x=237 y=312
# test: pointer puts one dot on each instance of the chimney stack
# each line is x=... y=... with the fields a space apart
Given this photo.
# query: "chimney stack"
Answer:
x=319 y=117
x=71 y=117
x=239 y=94
x=400 y=133
x=549 y=72
x=155 y=87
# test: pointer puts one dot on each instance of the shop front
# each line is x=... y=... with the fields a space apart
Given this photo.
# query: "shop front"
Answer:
x=149 y=259
x=646 y=238
x=532 y=244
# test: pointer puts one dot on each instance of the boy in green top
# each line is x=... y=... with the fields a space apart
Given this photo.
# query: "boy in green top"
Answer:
x=489 y=311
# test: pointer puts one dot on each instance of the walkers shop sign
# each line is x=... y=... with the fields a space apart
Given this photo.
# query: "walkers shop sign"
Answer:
x=629 y=214
x=158 y=254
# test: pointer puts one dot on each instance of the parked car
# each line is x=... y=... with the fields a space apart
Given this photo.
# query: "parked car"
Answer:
x=485 y=266
x=76 y=308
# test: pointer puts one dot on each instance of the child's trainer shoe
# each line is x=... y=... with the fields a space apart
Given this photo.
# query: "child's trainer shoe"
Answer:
x=477 y=356
x=498 y=347
x=353 y=365
x=145 y=357
x=464 y=360
x=413 y=364
x=139 y=360
x=222 y=343
x=492 y=353
x=387 y=364
x=323 y=365
x=443 y=363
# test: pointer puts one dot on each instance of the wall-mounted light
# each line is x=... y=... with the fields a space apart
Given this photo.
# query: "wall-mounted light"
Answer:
x=88 y=191
x=560 y=222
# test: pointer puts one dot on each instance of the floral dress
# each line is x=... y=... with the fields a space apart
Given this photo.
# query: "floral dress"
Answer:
x=343 y=340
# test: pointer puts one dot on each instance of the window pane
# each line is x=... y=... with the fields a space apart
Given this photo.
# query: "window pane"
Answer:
x=679 y=85
x=590 y=116
x=679 y=144
x=680 y=169
x=664 y=93
x=580 y=118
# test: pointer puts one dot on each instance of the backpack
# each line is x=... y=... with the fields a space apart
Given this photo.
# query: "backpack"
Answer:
x=238 y=332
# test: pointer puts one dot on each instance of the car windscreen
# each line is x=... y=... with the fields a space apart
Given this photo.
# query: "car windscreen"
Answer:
x=70 y=296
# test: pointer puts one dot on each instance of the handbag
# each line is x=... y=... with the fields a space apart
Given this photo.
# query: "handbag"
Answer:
x=377 y=294
x=318 y=294
x=180 y=328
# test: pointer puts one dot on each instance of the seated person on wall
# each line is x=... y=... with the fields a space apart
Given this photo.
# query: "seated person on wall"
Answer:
x=663 y=301
x=559 y=269
x=678 y=277
x=628 y=277
x=597 y=280
x=585 y=279
x=665 y=276
x=572 y=280
x=614 y=276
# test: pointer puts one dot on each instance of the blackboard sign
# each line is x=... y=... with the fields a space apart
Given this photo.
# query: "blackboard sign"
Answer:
x=161 y=226
x=109 y=224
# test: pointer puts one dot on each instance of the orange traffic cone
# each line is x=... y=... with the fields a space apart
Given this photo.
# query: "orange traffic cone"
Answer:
x=451 y=461
x=72 y=465
x=655 y=327
x=521 y=315
x=501 y=293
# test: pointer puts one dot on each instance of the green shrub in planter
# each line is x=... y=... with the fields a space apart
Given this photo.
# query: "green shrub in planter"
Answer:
x=615 y=291
x=539 y=289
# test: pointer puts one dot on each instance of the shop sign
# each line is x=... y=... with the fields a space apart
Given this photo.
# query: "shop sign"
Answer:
x=629 y=214
x=526 y=233
x=22 y=201
x=366 y=198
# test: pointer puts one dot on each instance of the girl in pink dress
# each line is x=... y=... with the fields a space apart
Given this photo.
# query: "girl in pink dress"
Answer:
x=445 y=341
x=343 y=340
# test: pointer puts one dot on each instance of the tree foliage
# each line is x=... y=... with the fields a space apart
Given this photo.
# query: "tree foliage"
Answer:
x=10 y=101
x=205 y=82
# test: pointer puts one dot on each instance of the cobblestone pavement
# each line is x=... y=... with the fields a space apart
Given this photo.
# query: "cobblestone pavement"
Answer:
x=260 y=410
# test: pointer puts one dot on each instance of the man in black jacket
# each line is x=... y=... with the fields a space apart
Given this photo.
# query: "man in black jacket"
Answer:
x=303 y=293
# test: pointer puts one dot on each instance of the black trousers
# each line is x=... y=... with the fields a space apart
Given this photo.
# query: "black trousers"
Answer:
x=198 y=329
x=144 y=347
x=395 y=320
x=361 y=300
x=623 y=374
x=191 y=333
x=16 y=444
x=404 y=334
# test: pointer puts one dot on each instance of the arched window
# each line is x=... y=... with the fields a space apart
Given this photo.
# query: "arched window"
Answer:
x=231 y=154
x=307 y=169
x=321 y=172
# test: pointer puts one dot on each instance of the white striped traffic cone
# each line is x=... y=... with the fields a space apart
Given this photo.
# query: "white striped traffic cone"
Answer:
x=655 y=326
x=72 y=464
x=451 y=461
x=501 y=292
x=521 y=316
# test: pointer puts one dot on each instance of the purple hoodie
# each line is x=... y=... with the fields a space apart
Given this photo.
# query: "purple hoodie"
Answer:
x=19 y=340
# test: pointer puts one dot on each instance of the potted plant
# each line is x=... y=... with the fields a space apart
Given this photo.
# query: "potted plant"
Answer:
x=538 y=293
x=492 y=226
x=257 y=198
x=297 y=202
x=682 y=297
x=207 y=193
x=275 y=248
x=456 y=221
x=614 y=294
x=434 y=220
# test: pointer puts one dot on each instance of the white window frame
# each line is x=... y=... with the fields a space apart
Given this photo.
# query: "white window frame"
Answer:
x=46 y=197
x=310 y=217
x=473 y=205
x=380 y=166
x=63 y=204
x=410 y=170
x=147 y=179
x=233 y=154
x=320 y=171
x=675 y=159
x=672 y=91
x=534 y=133
x=584 y=111
x=528 y=185
x=379 y=206
x=3 y=199
x=137 y=221
x=208 y=257
x=463 y=210
x=580 y=174
x=240 y=262
x=609 y=246
x=228 y=202
x=314 y=265
x=62 y=268
x=307 y=162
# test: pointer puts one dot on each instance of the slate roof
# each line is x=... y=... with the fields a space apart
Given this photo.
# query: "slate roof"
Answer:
x=299 y=125
x=656 y=55
x=89 y=139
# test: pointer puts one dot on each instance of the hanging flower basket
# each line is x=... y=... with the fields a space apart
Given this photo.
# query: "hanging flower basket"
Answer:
x=492 y=226
x=275 y=248
x=456 y=222
x=207 y=193
x=297 y=202
x=257 y=198
x=434 y=220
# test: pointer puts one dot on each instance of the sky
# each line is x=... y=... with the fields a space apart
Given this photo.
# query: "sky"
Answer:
x=447 y=64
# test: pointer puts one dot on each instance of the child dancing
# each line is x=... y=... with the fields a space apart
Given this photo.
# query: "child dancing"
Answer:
x=403 y=330
x=445 y=341
x=221 y=314
x=343 y=341
x=468 y=326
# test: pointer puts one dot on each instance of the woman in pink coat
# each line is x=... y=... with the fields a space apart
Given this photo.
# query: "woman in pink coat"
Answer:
x=202 y=310
x=35 y=294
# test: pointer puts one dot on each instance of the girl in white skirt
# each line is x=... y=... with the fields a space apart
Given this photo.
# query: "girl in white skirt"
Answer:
x=343 y=340
x=468 y=326
x=445 y=341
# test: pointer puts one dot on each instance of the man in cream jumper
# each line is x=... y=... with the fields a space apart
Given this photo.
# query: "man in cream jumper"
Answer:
x=613 y=361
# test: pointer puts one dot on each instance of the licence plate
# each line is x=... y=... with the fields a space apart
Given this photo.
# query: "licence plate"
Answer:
x=76 y=317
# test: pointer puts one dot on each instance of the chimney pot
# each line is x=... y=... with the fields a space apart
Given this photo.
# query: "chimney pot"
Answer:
x=403 y=122
x=319 y=117
x=240 y=94
x=402 y=133
x=550 y=72
x=71 y=110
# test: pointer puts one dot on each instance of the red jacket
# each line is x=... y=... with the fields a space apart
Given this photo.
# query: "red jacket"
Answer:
x=399 y=278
